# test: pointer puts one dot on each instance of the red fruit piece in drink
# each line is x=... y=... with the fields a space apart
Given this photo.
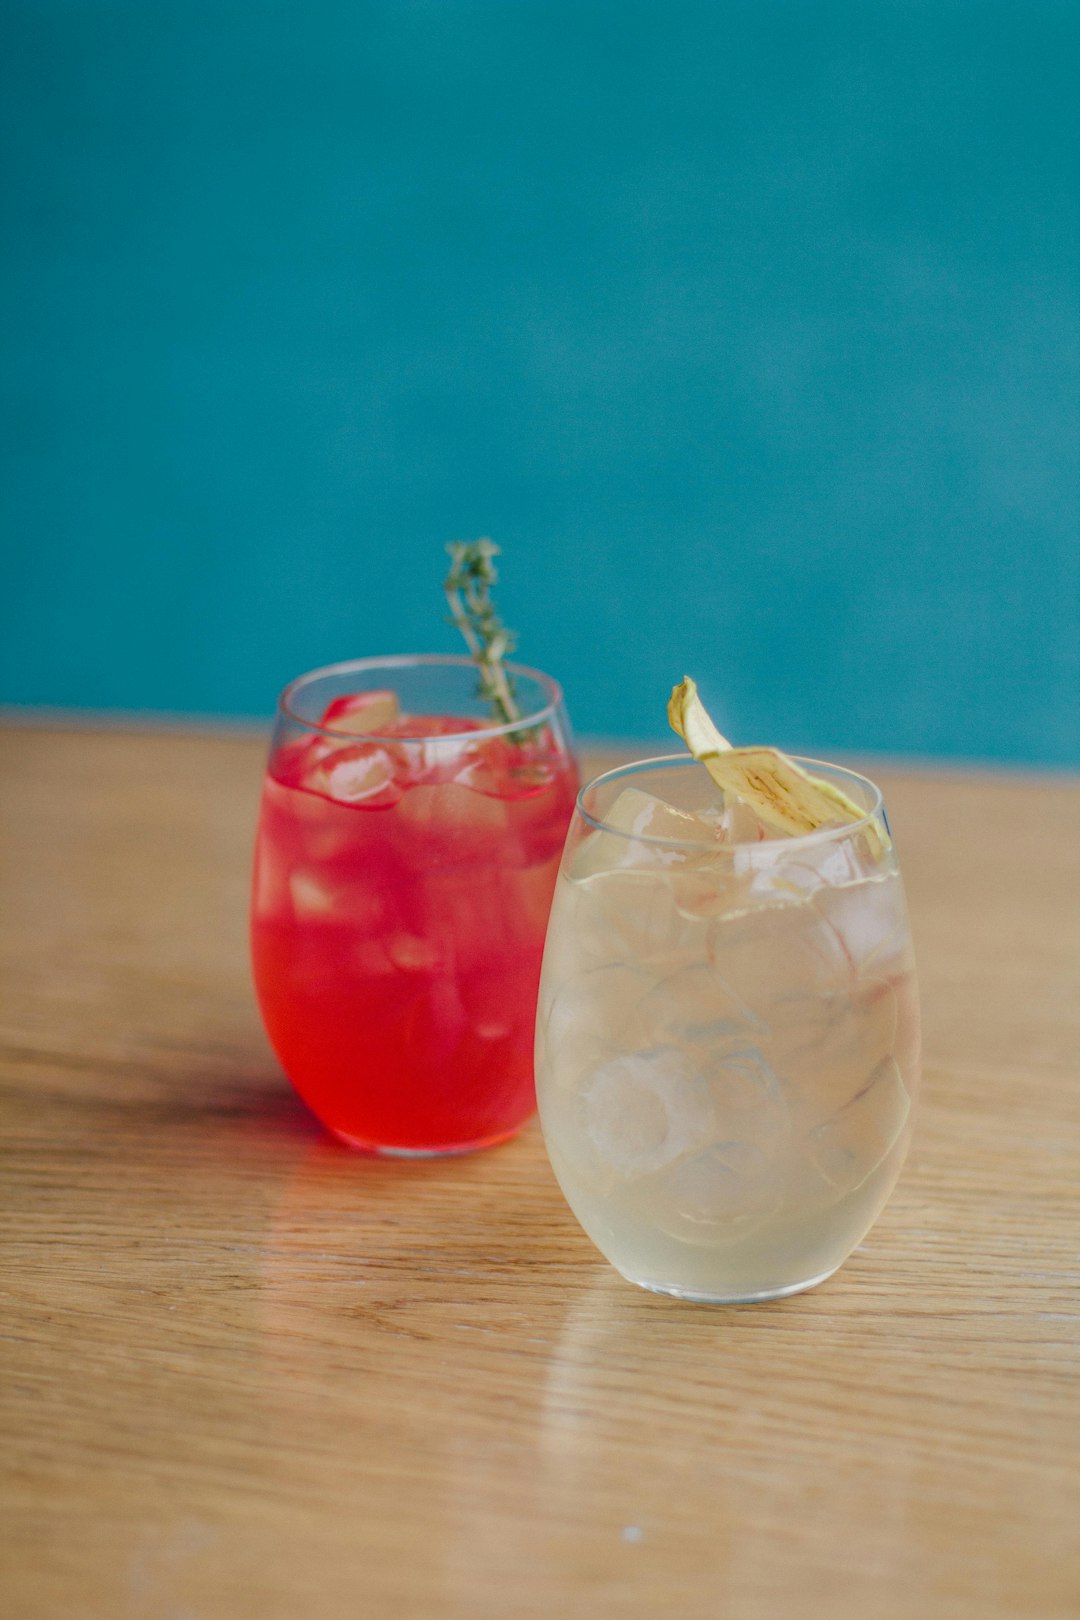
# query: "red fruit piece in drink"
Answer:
x=362 y=714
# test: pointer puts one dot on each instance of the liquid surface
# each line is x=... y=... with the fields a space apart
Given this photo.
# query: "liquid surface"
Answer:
x=400 y=900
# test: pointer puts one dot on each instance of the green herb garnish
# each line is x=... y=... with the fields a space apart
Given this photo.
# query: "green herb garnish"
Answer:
x=468 y=591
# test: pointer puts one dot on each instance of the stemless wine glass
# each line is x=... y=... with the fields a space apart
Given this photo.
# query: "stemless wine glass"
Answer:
x=728 y=1033
x=404 y=864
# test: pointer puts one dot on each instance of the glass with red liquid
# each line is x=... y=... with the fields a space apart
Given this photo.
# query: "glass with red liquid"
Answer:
x=404 y=867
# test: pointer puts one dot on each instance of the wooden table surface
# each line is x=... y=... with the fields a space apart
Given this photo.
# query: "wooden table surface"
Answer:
x=247 y=1375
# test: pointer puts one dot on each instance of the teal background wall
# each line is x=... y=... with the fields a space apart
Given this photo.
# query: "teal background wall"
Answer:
x=749 y=330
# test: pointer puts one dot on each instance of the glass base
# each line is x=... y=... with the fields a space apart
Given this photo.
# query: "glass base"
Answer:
x=451 y=1150
x=731 y=1299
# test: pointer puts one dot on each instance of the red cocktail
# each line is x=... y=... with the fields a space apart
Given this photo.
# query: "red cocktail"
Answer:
x=404 y=868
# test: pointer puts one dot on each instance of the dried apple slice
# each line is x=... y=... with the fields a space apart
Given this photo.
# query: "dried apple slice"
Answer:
x=779 y=791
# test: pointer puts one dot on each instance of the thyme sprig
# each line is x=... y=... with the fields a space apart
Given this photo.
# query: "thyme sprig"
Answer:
x=468 y=592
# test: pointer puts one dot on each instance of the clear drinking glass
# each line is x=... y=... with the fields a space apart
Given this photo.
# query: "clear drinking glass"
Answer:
x=727 y=1035
x=404 y=864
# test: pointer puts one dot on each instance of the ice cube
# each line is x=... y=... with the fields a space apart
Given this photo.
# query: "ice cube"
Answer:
x=362 y=713
x=824 y=1046
x=779 y=870
x=602 y=852
x=589 y=1017
x=847 y=859
x=599 y=852
x=869 y=918
x=850 y=1145
x=413 y=953
x=293 y=762
x=445 y=824
x=644 y=1110
x=326 y=892
x=507 y=769
x=300 y=803
x=363 y=773
x=748 y=1101
x=631 y=893
x=501 y=1003
x=634 y=817
x=632 y=915
x=540 y=799
x=696 y=1006
x=739 y=824
x=719 y=1196
x=270 y=884
x=439 y=748
x=774 y=871
x=770 y=955
x=642 y=815
x=708 y=887
x=312 y=897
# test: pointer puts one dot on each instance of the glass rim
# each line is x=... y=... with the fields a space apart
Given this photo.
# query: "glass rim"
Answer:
x=412 y=661
x=795 y=841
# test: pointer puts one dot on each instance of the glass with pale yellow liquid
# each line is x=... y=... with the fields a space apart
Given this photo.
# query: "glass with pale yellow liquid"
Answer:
x=728 y=1031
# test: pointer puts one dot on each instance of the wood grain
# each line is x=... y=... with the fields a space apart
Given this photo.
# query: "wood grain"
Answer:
x=247 y=1374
